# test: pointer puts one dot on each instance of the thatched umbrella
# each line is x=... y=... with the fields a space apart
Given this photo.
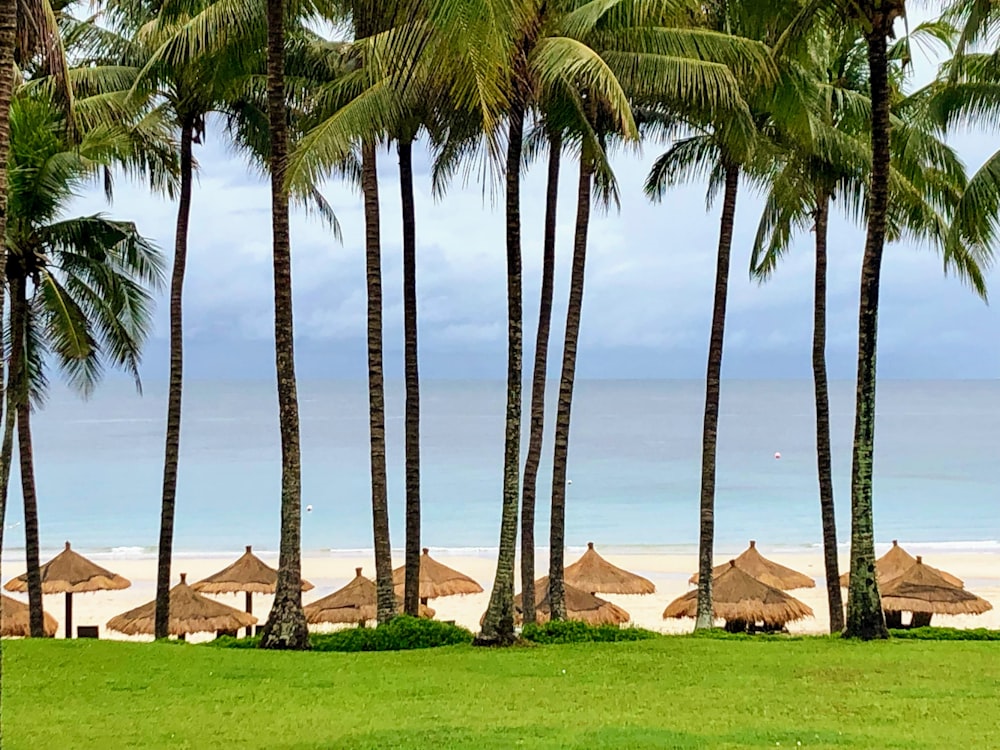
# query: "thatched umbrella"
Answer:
x=15 y=617
x=248 y=574
x=894 y=563
x=71 y=573
x=436 y=580
x=924 y=591
x=357 y=602
x=596 y=575
x=190 y=612
x=767 y=571
x=742 y=601
x=580 y=605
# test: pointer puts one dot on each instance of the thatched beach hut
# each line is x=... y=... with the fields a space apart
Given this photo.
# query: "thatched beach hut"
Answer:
x=894 y=563
x=924 y=591
x=355 y=603
x=744 y=602
x=764 y=570
x=593 y=574
x=14 y=619
x=580 y=605
x=71 y=573
x=190 y=612
x=248 y=574
x=436 y=580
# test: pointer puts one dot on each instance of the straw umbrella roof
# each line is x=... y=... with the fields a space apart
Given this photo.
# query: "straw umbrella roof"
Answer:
x=436 y=579
x=14 y=619
x=894 y=563
x=924 y=589
x=767 y=571
x=190 y=612
x=580 y=605
x=248 y=574
x=355 y=602
x=595 y=574
x=71 y=573
x=737 y=595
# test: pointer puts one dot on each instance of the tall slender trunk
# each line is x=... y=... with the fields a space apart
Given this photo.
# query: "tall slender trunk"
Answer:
x=18 y=319
x=376 y=391
x=7 y=446
x=171 y=450
x=865 y=618
x=8 y=27
x=823 y=459
x=286 y=624
x=713 y=374
x=498 y=625
x=574 y=310
x=411 y=591
x=537 y=429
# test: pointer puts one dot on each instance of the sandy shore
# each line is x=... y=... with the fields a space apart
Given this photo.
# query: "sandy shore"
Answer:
x=980 y=571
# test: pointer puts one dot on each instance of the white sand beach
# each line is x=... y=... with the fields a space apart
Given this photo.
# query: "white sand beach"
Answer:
x=670 y=572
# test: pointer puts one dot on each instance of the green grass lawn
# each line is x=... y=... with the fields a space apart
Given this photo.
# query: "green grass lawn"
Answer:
x=664 y=693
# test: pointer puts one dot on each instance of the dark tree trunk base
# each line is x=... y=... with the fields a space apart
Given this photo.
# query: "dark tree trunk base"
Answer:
x=286 y=628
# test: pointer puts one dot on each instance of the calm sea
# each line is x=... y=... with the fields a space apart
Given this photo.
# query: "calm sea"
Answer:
x=635 y=454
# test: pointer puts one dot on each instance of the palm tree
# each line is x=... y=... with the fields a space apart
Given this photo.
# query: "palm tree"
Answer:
x=79 y=288
x=286 y=624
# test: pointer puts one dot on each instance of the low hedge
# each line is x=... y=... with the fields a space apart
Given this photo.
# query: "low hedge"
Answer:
x=574 y=631
x=946 y=634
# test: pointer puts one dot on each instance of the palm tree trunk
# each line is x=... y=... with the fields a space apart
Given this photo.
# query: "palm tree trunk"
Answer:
x=171 y=451
x=557 y=528
x=286 y=624
x=823 y=459
x=18 y=319
x=7 y=447
x=537 y=429
x=865 y=618
x=714 y=372
x=411 y=590
x=8 y=27
x=376 y=392
x=498 y=625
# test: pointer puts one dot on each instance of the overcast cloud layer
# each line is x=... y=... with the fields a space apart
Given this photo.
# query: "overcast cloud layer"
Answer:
x=648 y=296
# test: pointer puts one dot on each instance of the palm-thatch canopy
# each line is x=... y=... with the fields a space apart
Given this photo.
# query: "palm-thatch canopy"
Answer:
x=738 y=596
x=580 y=605
x=248 y=574
x=764 y=570
x=14 y=619
x=594 y=574
x=356 y=602
x=436 y=579
x=190 y=612
x=894 y=563
x=922 y=589
x=71 y=573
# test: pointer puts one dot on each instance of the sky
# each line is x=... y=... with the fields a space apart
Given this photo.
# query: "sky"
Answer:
x=648 y=296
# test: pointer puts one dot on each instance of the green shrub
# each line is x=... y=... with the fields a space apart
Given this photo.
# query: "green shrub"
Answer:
x=227 y=641
x=574 y=631
x=399 y=634
x=946 y=634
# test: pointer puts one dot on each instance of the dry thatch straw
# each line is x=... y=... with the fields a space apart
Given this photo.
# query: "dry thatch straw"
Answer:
x=894 y=563
x=436 y=579
x=767 y=571
x=14 y=619
x=357 y=602
x=922 y=589
x=596 y=575
x=738 y=596
x=580 y=605
x=190 y=612
x=248 y=574
x=71 y=573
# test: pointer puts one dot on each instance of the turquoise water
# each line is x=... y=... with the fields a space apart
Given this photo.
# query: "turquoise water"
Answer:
x=635 y=456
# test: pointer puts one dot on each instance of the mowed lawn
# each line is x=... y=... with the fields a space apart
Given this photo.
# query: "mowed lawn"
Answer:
x=666 y=693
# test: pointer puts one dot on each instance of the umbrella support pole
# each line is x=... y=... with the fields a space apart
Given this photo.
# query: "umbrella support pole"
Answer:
x=69 y=614
x=249 y=612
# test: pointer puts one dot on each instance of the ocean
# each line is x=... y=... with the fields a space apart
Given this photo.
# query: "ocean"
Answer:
x=635 y=457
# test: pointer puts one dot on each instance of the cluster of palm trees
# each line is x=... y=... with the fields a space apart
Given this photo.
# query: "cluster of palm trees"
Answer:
x=803 y=100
